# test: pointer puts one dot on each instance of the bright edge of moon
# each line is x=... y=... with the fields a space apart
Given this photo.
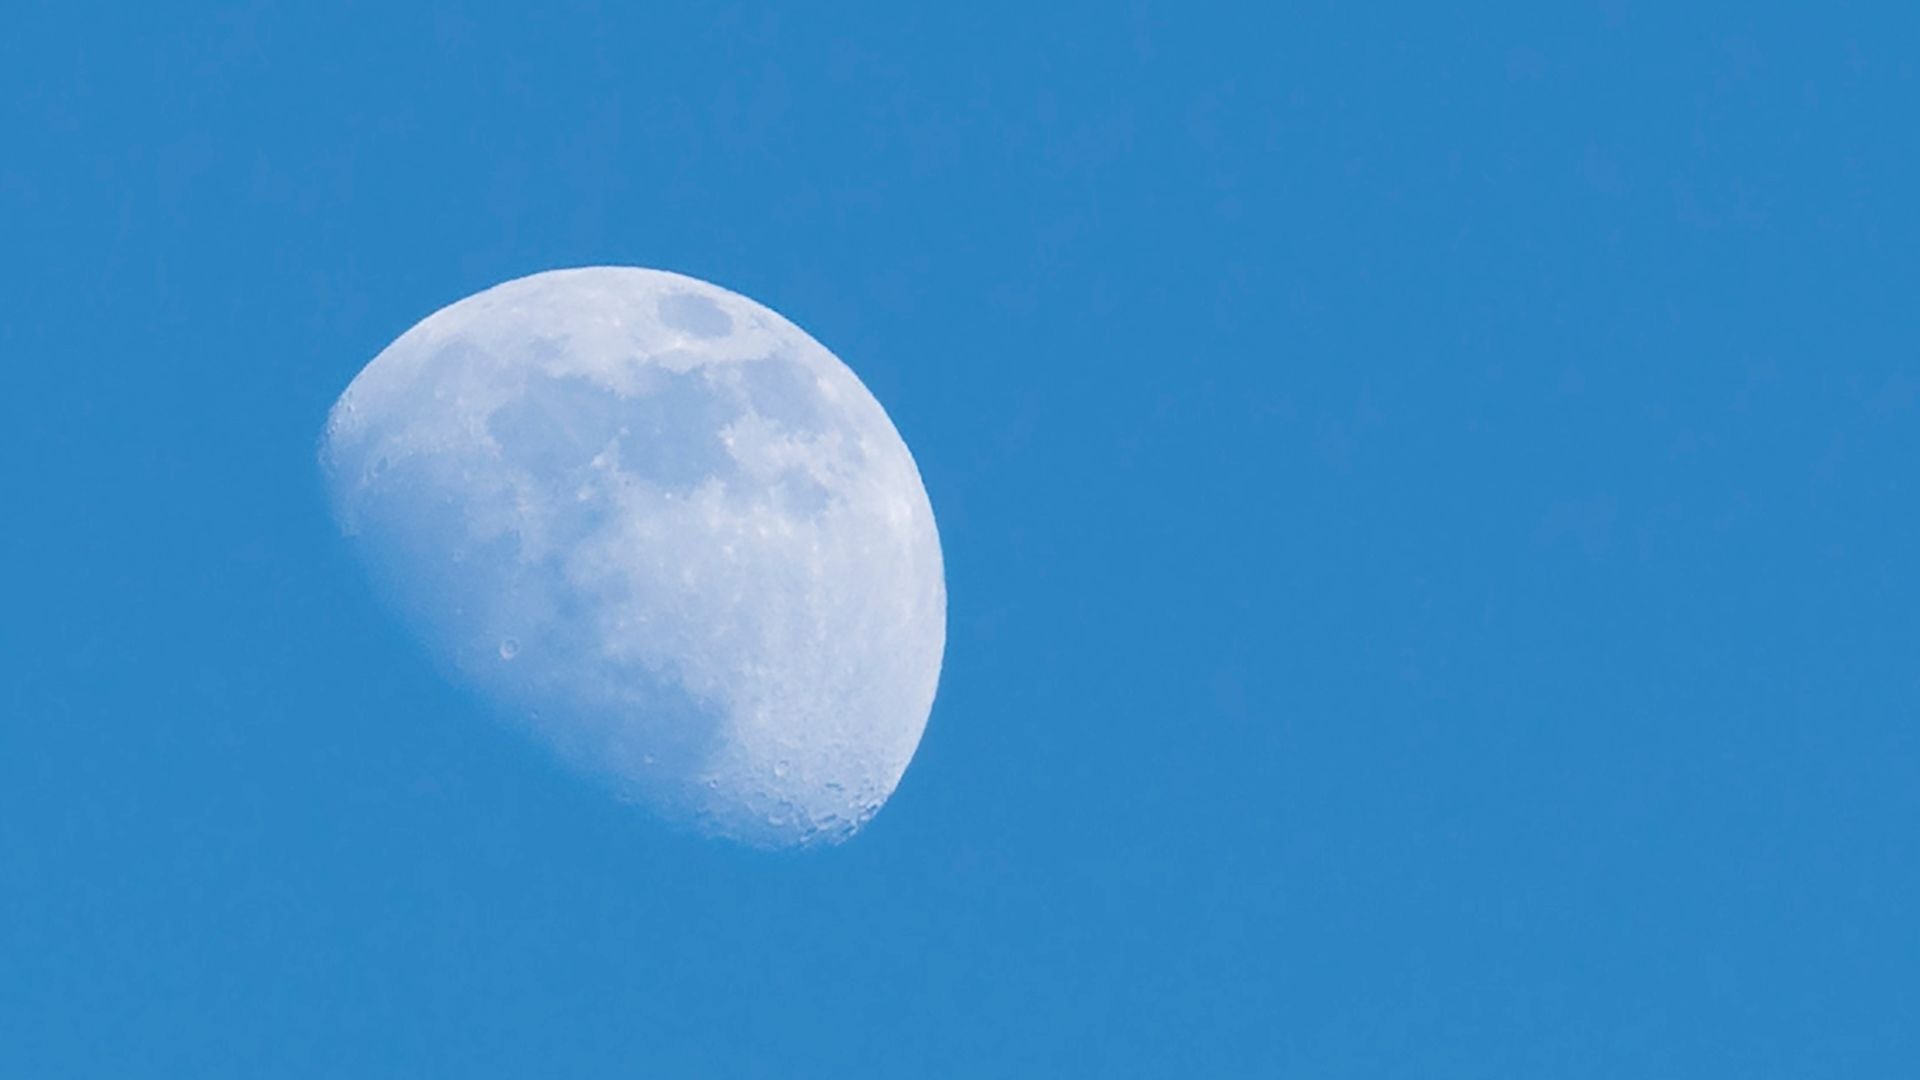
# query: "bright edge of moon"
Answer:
x=667 y=531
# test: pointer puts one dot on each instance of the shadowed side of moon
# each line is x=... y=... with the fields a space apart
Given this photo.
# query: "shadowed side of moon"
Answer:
x=417 y=547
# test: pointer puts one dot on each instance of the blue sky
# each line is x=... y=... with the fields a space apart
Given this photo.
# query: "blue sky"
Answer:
x=1428 y=503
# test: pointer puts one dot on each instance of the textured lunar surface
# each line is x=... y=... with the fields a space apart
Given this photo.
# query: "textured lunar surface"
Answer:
x=666 y=530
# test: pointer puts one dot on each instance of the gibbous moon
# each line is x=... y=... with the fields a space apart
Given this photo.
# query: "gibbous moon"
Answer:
x=666 y=530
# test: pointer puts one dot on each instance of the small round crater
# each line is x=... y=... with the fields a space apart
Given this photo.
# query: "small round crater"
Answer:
x=509 y=649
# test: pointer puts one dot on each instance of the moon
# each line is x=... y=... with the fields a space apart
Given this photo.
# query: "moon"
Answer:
x=665 y=530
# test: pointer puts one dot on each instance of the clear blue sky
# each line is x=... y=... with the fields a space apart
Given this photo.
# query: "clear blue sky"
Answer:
x=1429 y=503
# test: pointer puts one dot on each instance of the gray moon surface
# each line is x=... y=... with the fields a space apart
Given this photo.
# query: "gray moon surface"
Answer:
x=664 y=529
